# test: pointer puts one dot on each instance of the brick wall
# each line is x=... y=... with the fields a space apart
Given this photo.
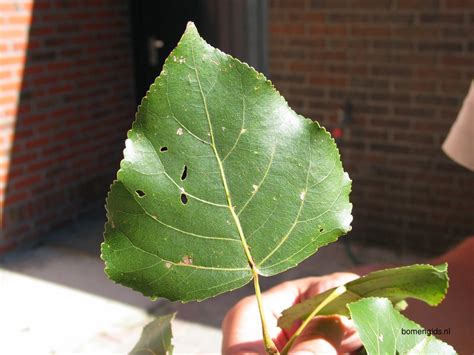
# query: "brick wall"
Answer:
x=65 y=104
x=405 y=65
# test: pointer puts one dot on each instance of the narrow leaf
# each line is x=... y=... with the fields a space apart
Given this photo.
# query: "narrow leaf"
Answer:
x=219 y=174
x=156 y=337
x=383 y=330
x=424 y=282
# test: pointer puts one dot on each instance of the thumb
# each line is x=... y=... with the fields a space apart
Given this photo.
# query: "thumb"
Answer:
x=315 y=346
x=323 y=335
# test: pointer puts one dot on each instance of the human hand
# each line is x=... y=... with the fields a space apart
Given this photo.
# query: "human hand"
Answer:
x=242 y=333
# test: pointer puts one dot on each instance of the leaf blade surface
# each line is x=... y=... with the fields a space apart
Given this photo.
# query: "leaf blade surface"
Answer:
x=426 y=283
x=383 y=330
x=216 y=162
x=156 y=337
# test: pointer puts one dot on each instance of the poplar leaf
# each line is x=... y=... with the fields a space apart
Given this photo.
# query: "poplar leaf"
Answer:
x=216 y=162
x=423 y=282
x=156 y=337
x=383 y=330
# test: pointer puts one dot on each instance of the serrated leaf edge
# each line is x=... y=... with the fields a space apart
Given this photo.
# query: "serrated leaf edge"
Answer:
x=191 y=27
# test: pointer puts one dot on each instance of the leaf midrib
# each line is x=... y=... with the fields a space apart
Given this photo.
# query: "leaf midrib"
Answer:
x=221 y=170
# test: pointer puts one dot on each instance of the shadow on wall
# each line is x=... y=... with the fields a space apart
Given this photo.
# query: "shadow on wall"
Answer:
x=76 y=101
x=405 y=66
x=76 y=98
x=75 y=104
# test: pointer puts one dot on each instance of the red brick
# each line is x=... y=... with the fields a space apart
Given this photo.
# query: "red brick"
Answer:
x=7 y=99
x=60 y=89
x=60 y=66
x=7 y=7
x=305 y=67
x=34 y=118
x=44 y=30
x=12 y=34
x=5 y=74
x=15 y=197
x=19 y=20
x=441 y=73
x=459 y=4
x=418 y=4
x=11 y=60
x=39 y=142
x=287 y=29
x=315 y=17
x=328 y=30
x=389 y=58
x=454 y=60
x=16 y=86
x=26 y=182
x=371 y=31
x=24 y=159
x=329 y=81
x=411 y=74
x=437 y=18
x=31 y=70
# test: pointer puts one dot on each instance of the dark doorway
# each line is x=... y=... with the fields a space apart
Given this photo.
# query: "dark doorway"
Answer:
x=156 y=28
x=236 y=27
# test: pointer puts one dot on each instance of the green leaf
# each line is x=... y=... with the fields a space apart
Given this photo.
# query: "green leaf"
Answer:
x=424 y=282
x=383 y=330
x=156 y=337
x=219 y=173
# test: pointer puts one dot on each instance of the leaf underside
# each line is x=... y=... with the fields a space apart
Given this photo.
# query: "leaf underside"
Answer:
x=383 y=330
x=424 y=282
x=216 y=158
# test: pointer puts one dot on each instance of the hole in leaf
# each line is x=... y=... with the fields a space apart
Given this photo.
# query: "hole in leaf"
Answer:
x=185 y=173
x=184 y=199
x=321 y=230
x=163 y=149
x=140 y=193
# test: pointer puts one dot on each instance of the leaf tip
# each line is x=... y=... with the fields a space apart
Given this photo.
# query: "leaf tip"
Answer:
x=191 y=28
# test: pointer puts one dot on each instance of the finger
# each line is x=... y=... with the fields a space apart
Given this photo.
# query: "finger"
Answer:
x=323 y=335
x=351 y=341
x=316 y=346
x=241 y=328
x=298 y=290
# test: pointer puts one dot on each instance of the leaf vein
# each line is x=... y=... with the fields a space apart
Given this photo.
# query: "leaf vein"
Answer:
x=180 y=188
x=215 y=286
x=326 y=211
x=173 y=227
x=173 y=115
x=295 y=222
x=260 y=183
x=264 y=222
x=297 y=252
x=221 y=169
x=193 y=266
x=240 y=132
x=324 y=178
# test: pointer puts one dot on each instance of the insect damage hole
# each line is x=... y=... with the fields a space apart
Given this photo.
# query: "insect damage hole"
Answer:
x=184 y=175
x=140 y=193
x=163 y=149
x=184 y=199
x=187 y=260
